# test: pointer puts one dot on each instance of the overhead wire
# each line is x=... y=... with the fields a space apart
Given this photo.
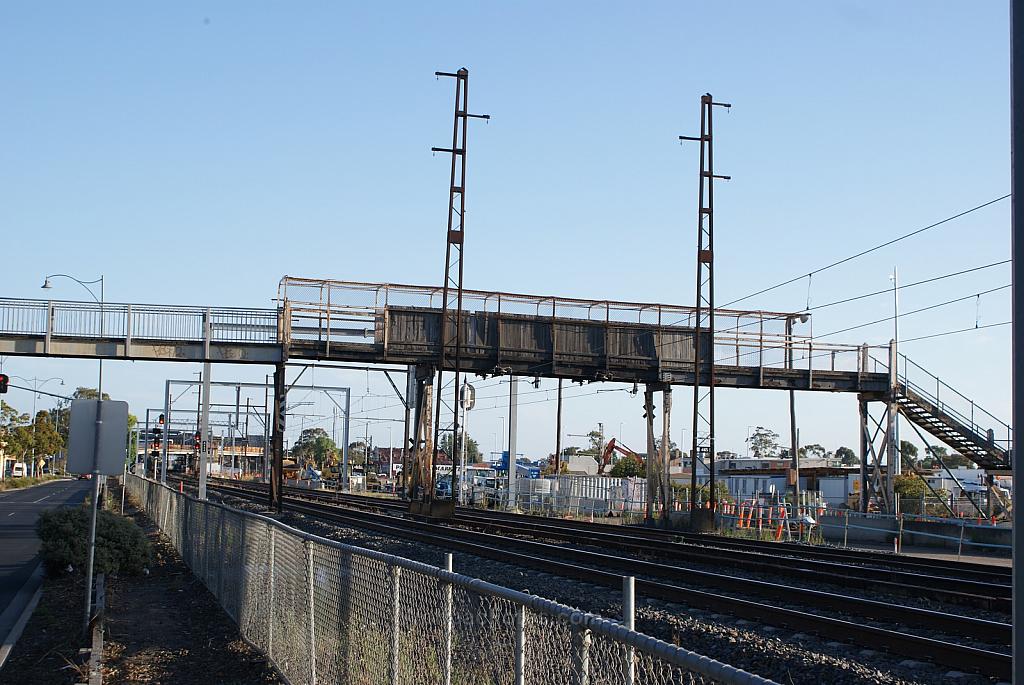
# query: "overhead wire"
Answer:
x=875 y=248
x=877 y=321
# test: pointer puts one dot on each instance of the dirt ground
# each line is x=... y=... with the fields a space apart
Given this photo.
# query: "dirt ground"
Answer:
x=47 y=651
x=164 y=627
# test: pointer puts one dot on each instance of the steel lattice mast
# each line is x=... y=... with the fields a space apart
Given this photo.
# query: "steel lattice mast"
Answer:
x=451 y=296
x=704 y=325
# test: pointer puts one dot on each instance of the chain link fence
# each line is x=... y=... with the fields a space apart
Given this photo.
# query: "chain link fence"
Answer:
x=326 y=612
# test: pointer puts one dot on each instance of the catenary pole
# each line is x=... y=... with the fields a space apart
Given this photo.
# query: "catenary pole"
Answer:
x=1017 y=253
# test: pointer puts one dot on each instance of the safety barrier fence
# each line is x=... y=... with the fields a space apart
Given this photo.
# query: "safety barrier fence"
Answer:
x=779 y=522
x=326 y=612
x=113 y=320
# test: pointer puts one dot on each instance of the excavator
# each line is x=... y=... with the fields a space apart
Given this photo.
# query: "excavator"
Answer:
x=614 y=446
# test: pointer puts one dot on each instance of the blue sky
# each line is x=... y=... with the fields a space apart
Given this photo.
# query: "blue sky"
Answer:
x=194 y=153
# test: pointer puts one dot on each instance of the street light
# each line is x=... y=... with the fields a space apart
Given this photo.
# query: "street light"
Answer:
x=802 y=317
x=36 y=384
x=96 y=443
x=47 y=285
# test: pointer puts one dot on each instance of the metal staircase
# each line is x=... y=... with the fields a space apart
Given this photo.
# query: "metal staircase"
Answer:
x=951 y=417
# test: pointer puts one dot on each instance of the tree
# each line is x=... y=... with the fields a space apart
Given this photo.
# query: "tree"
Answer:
x=764 y=443
x=316 y=447
x=910 y=485
x=596 y=444
x=357 y=452
x=549 y=467
x=951 y=460
x=627 y=467
x=45 y=438
x=673 y=449
x=15 y=440
x=908 y=455
x=133 y=437
x=472 y=447
x=814 y=450
x=847 y=457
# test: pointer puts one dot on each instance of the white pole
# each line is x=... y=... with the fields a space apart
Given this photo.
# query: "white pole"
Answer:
x=204 y=431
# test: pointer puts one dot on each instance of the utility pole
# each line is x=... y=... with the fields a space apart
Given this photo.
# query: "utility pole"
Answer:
x=513 y=413
x=451 y=295
x=794 y=448
x=896 y=344
x=558 y=431
x=704 y=330
x=1017 y=328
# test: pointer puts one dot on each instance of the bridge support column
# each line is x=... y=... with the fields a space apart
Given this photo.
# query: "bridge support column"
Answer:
x=862 y=406
x=892 y=447
x=652 y=487
x=277 y=452
x=513 y=432
x=419 y=480
x=666 y=453
x=204 y=431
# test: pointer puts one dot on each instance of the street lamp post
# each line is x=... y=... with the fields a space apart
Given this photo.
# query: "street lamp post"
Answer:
x=794 y=448
x=96 y=445
x=37 y=383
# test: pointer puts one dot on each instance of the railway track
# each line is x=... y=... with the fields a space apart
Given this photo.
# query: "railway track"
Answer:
x=869 y=623
x=963 y=584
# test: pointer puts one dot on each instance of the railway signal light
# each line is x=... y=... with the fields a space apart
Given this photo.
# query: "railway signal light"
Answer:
x=4 y=380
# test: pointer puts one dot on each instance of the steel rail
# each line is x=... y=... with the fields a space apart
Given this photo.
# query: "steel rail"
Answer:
x=988 y=589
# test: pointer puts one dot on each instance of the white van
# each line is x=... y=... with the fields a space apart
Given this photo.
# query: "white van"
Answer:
x=19 y=470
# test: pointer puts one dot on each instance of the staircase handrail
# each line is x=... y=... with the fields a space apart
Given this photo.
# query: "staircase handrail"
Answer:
x=941 y=385
x=941 y=388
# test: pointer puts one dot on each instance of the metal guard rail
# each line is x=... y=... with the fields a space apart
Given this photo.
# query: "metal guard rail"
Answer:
x=71 y=319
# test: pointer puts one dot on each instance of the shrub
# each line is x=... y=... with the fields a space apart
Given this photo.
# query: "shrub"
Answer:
x=121 y=546
x=23 y=482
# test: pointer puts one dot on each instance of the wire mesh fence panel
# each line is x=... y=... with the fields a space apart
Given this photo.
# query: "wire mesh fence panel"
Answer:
x=326 y=612
x=482 y=638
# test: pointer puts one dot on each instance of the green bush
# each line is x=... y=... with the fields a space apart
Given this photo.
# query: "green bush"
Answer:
x=121 y=546
x=23 y=482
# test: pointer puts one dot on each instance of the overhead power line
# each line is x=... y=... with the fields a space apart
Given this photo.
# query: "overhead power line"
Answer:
x=884 y=291
x=914 y=311
x=877 y=321
x=961 y=330
x=868 y=251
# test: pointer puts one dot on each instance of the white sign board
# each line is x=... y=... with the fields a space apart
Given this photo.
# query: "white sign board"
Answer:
x=112 y=442
x=468 y=396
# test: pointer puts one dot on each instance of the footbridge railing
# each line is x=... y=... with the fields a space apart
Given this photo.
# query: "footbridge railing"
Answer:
x=90 y=320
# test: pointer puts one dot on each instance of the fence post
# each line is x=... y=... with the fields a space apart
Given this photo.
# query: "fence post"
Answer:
x=846 y=528
x=899 y=536
x=629 y=621
x=221 y=551
x=520 y=675
x=310 y=585
x=272 y=612
x=580 y=653
x=449 y=608
x=396 y=594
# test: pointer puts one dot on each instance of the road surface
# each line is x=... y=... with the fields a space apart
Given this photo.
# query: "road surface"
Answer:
x=19 y=546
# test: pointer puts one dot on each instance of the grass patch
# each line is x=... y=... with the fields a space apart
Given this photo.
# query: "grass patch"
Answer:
x=24 y=482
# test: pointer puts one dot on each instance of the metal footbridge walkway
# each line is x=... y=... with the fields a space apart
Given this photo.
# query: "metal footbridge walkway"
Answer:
x=502 y=333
